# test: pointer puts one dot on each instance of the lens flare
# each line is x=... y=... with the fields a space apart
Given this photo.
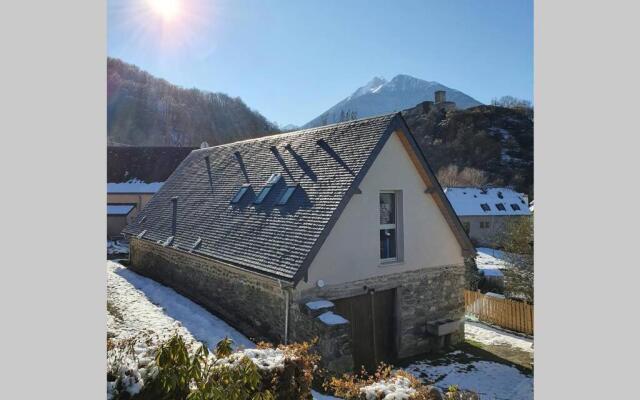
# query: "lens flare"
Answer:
x=169 y=10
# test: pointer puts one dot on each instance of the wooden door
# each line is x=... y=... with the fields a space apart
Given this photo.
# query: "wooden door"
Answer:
x=372 y=327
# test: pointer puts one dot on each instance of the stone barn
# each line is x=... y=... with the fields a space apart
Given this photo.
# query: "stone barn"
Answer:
x=339 y=232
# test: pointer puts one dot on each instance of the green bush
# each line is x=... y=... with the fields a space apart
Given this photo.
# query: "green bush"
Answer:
x=178 y=372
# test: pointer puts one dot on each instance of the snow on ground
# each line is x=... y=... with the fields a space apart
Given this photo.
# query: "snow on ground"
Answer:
x=488 y=258
x=485 y=334
x=491 y=261
x=398 y=388
x=158 y=307
x=141 y=304
x=491 y=380
x=117 y=247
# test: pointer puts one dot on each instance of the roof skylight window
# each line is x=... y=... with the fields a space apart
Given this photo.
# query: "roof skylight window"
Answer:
x=515 y=207
x=485 y=207
x=273 y=179
x=262 y=195
x=500 y=207
x=236 y=199
x=287 y=195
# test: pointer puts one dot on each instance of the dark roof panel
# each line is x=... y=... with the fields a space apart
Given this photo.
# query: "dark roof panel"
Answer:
x=268 y=238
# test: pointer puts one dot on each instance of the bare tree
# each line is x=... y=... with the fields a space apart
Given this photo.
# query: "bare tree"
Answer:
x=510 y=102
x=451 y=175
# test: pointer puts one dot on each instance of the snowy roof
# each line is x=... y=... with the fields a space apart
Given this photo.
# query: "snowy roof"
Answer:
x=134 y=186
x=490 y=201
x=119 y=209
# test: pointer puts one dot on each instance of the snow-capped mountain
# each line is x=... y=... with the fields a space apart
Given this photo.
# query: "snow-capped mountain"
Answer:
x=380 y=96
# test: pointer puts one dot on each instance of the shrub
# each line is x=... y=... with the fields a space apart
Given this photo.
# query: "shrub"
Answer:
x=387 y=383
x=181 y=370
x=381 y=383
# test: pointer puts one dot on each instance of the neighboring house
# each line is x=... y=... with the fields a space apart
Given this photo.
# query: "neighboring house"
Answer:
x=485 y=212
x=118 y=216
x=339 y=232
x=134 y=175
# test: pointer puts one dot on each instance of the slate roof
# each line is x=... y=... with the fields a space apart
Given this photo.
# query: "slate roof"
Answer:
x=278 y=241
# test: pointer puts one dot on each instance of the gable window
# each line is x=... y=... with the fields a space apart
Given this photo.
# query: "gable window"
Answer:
x=484 y=224
x=515 y=207
x=389 y=228
x=500 y=207
x=485 y=207
x=236 y=199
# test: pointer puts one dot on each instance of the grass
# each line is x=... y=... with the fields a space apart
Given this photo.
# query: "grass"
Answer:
x=470 y=351
x=505 y=353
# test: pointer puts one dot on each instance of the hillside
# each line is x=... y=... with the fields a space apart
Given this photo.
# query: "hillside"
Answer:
x=495 y=140
x=380 y=96
x=143 y=110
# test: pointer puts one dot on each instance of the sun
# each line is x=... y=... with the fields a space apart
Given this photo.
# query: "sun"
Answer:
x=167 y=9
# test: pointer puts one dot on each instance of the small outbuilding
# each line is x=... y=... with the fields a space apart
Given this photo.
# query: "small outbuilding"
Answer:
x=134 y=175
x=340 y=232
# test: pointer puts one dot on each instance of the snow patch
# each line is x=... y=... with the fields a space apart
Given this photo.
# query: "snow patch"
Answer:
x=318 y=304
x=330 y=318
x=485 y=334
x=117 y=247
x=265 y=359
x=134 y=186
x=398 y=388
x=491 y=380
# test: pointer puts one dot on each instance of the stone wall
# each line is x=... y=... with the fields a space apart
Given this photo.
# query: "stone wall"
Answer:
x=253 y=304
x=334 y=341
x=422 y=296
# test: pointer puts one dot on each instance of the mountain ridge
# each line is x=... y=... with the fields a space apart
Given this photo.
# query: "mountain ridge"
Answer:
x=144 y=110
x=380 y=96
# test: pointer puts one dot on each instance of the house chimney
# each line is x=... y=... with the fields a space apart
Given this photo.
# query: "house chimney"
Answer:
x=441 y=96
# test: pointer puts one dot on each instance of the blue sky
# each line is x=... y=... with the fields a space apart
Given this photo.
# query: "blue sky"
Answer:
x=293 y=59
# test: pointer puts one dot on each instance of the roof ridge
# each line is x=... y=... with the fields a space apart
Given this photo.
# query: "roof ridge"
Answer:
x=298 y=132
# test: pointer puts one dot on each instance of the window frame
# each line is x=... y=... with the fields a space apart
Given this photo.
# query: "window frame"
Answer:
x=237 y=198
x=397 y=226
x=289 y=191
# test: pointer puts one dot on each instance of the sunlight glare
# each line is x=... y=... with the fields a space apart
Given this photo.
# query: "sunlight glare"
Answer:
x=167 y=9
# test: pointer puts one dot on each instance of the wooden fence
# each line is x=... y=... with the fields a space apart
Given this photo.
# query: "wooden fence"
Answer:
x=509 y=314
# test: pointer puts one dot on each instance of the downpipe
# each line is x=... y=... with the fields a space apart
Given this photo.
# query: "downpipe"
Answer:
x=285 y=291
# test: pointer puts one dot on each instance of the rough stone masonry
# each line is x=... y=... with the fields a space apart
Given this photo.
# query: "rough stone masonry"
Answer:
x=256 y=305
